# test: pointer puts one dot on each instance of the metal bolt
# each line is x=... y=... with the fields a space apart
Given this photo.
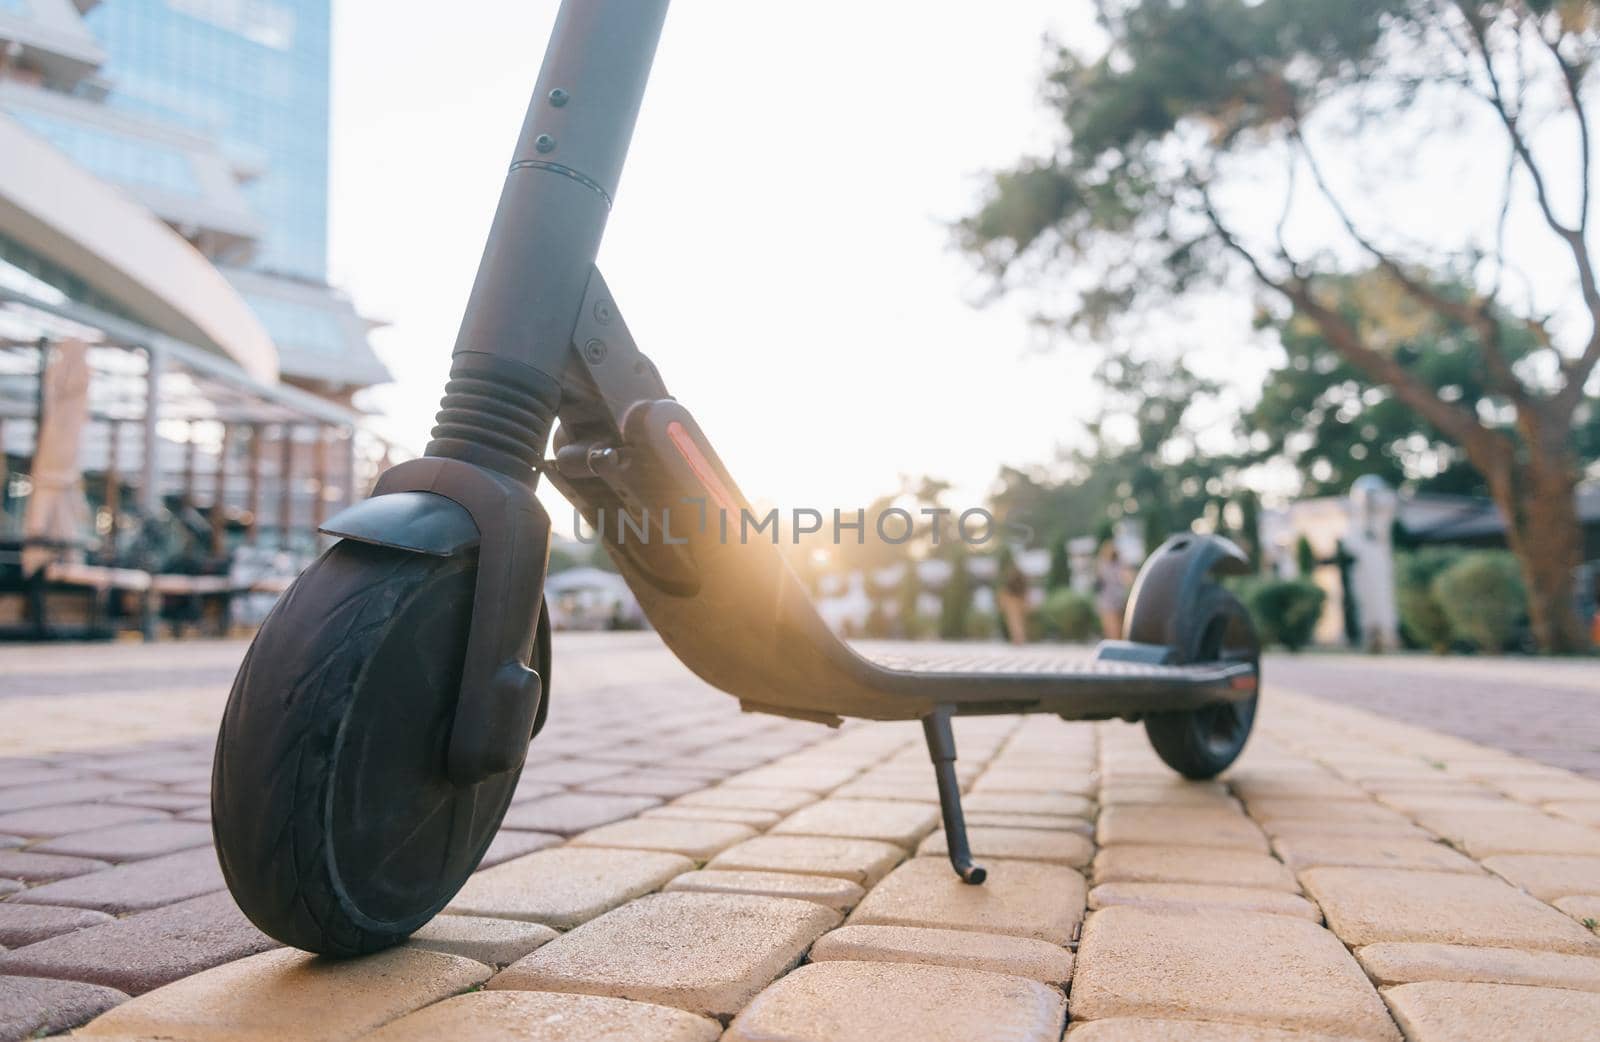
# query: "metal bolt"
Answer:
x=603 y=313
x=544 y=143
x=595 y=351
x=558 y=97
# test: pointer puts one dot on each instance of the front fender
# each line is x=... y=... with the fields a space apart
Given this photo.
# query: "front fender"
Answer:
x=422 y=522
x=1161 y=604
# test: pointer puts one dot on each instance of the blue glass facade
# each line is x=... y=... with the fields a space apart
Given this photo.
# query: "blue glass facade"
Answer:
x=253 y=75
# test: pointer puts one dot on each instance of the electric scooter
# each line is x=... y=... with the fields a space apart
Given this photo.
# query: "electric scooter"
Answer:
x=379 y=722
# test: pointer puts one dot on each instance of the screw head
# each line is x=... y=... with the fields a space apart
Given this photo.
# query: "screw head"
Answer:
x=558 y=97
x=603 y=313
x=544 y=143
x=595 y=351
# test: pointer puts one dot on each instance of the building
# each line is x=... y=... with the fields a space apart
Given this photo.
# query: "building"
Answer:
x=163 y=198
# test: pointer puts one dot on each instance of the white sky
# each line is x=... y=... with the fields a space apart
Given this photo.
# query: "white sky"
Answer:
x=780 y=245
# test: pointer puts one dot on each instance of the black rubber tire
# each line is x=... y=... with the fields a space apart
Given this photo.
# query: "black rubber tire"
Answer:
x=1202 y=743
x=337 y=828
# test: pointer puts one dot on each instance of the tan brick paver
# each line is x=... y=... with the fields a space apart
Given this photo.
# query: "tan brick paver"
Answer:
x=566 y=886
x=839 y=894
x=1018 y=956
x=1325 y=788
x=1240 y=967
x=499 y=1016
x=897 y=1002
x=1403 y=963
x=705 y=953
x=1440 y=1011
x=286 y=994
x=1021 y=898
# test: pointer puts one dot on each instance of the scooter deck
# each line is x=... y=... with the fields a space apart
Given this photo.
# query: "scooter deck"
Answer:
x=734 y=612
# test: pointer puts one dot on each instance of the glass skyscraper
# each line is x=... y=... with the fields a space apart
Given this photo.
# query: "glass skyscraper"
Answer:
x=251 y=74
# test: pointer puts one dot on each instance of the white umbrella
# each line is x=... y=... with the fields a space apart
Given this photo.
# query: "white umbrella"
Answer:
x=57 y=510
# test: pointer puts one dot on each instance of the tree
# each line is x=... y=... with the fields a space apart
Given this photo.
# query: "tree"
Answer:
x=1154 y=192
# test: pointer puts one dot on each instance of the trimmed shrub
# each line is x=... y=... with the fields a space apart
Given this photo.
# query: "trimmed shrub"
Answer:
x=1483 y=597
x=1070 y=615
x=1423 y=622
x=1285 y=610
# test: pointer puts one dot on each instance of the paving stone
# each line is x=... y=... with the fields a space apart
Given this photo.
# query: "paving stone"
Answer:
x=1351 y=811
x=565 y=886
x=899 y=1002
x=1039 y=783
x=135 y=886
x=570 y=772
x=756 y=819
x=1240 y=967
x=816 y=779
x=526 y=1016
x=1520 y=831
x=130 y=842
x=26 y=866
x=705 y=953
x=1020 y=898
x=511 y=843
x=1354 y=829
x=888 y=788
x=1148 y=1029
x=1168 y=794
x=1182 y=896
x=9 y=886
x=568 y=813
x=147 y=950
x=662 y=784
x=75 y=817
x=1029 y=803
x=162 y=799
x=1399 y=963
x=493 y=942
x=1181 y=826
x=22 y=924
x=1018 y=956
x=693 y=839
x=1548 y=876
x=841 y=895
x=1061 y=848
x=54 y=794
x=1585 y=909
x=288 y=994
x=1585 y=813
x=781 y=801
x=861 y=861
x=1169 y=864
x=1047 y=822
x=31 y=1006
x=1300 y=852
x=1367 y=905
x=7 y=842
x=899 y=822
x=1438 y=1011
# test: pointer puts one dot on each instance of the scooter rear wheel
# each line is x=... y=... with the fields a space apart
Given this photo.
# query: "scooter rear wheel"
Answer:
x=1202 y=743
x=337 y=827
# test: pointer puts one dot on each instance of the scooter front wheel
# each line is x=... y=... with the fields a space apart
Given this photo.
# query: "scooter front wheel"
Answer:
x=1202 y=743
x=338 y=829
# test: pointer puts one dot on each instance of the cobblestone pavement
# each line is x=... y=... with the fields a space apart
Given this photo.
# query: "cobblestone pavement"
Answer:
x=674 y=870
x=1542 y=709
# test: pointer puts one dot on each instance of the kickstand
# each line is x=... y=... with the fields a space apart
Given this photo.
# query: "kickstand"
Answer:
x=942 y=751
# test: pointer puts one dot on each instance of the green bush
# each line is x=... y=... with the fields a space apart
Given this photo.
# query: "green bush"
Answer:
x=1483 y=597
x=1422 y=619
x=1070 y=615
x=1285 y=610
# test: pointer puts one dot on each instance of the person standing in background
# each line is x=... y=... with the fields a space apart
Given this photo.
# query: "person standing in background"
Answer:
x=1111 y=589
x=1012 y=597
